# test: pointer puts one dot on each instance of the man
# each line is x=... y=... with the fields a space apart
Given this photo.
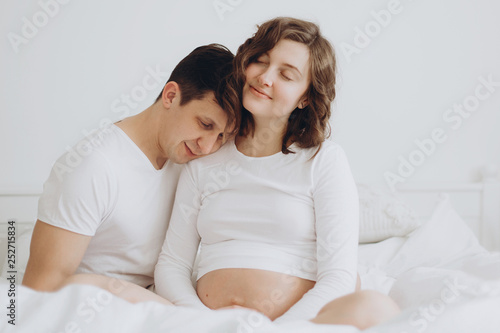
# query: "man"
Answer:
x=108 y=213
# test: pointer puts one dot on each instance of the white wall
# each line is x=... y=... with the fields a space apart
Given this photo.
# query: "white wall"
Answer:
x=61 y=81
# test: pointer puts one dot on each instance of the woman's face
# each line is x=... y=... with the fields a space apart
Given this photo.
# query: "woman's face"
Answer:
x=277 y=81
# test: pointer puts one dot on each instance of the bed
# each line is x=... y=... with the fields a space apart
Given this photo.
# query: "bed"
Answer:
x=434 y=248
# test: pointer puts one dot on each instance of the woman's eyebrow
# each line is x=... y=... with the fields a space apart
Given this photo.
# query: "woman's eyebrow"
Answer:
x=284 y=64
x=293 y=67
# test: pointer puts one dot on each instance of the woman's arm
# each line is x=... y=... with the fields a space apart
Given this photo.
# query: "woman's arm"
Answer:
x=175 y=263
x=336 y=208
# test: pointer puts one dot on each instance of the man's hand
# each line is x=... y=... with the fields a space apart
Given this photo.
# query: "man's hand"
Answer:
x=55 y=253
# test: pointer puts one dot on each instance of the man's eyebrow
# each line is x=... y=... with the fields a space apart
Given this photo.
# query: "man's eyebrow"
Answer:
x=209 y=120
x=206 y=119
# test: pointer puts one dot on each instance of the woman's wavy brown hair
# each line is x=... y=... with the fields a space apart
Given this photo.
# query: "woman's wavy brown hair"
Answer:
x=307 y=127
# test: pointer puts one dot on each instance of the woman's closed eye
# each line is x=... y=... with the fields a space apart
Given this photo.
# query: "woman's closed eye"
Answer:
x=286 y=76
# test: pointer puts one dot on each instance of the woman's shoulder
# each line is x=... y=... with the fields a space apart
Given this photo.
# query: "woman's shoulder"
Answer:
x=220 y=157
x=327 y=150
x=329 y=145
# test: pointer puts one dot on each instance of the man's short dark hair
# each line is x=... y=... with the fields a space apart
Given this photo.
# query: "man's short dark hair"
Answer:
x=201 y=71
x=207 y=69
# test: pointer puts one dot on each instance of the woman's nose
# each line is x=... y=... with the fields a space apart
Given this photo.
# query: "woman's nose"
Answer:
x=265 y=78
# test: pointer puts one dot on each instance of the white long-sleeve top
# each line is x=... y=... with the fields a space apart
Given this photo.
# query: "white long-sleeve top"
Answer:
x=288 y=213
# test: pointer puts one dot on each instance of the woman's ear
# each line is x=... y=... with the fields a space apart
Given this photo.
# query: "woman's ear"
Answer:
x=303 y=103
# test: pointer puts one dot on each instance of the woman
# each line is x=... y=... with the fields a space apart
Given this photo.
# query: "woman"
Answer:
x=275 y=210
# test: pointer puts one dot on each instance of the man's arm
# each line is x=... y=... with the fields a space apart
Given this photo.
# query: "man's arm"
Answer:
x=55 y=253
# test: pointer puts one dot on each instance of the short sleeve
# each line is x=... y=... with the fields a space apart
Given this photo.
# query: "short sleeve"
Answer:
x=78 y=195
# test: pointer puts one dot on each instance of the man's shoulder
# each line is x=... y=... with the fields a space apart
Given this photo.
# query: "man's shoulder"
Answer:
x=90 y=155
x=107 y=138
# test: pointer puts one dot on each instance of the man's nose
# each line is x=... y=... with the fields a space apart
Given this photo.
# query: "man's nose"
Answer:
x=208 y=143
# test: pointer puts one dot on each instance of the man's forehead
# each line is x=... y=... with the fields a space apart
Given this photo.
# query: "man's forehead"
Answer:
x=214 y=112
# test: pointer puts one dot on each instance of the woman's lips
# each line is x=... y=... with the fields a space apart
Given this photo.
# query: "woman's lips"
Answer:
x=259 y=93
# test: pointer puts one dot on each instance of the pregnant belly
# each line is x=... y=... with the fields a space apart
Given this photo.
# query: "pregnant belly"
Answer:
x=268 y=292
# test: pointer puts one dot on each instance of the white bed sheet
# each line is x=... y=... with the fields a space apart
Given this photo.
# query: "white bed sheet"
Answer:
x=432 y=299
x=441 y=277
x=84 y=308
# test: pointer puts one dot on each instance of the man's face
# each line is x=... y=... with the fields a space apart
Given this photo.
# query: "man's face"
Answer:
x=199 y=128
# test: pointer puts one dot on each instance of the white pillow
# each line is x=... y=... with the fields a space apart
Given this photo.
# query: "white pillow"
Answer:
x=373 y=259
x=440 y=241
x=383 y=215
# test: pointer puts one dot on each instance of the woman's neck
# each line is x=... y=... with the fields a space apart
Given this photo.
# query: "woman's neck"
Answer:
x=266 y=140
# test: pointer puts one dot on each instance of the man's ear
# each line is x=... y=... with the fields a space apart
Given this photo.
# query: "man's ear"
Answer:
x=171 y=92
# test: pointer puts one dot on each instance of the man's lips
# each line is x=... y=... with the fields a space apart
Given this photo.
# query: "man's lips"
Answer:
x=259 y=93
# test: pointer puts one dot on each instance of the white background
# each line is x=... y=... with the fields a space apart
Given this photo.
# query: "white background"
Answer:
x=70 y=75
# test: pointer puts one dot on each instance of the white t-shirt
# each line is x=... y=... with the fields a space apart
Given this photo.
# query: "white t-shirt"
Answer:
x=286 y=213
x=106 y=187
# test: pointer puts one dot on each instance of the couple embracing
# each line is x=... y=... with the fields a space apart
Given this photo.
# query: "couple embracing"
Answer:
x=278 y=235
